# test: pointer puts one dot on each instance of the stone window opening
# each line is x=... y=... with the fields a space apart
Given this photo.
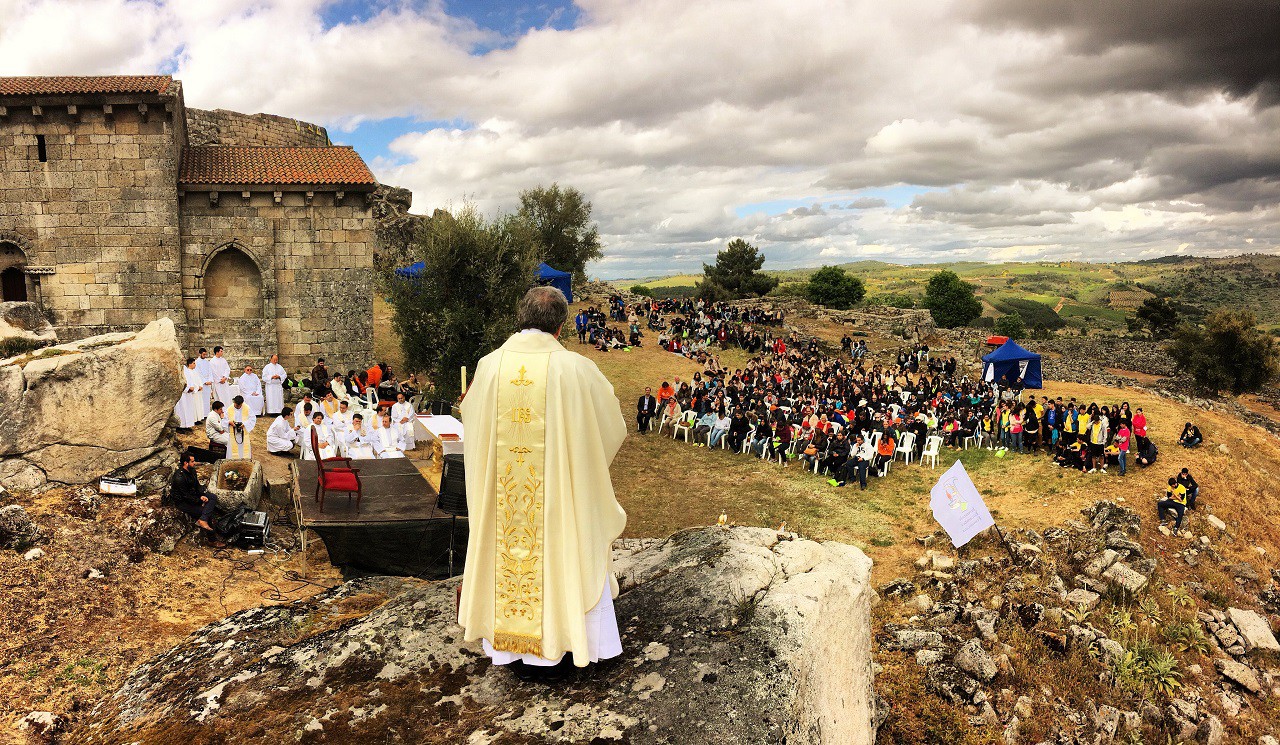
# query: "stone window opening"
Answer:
x=232 y=286
x=41 y=150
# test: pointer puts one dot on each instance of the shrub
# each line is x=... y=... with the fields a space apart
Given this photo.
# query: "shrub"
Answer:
x=1011 y=326
x=832 y=287
x=1228 y=353
x=951 y=301
x=893 y=300
x=641 y=290
x=15 y=346
x=1033 y=313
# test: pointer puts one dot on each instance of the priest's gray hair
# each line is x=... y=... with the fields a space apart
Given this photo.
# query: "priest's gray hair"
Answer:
x=542 y=308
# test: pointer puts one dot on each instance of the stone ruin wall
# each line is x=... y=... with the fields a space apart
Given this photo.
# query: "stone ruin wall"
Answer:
x=222 y=127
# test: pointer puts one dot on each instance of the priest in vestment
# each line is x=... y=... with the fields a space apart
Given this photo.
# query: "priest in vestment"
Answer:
x=251 y=388
x=240 y=421
x=221 y=376
x=402 y=418
x=358 y=440
x=204 y=366
x=273 y=376
x=387 y=442
x=542 y=427
x=325 y=435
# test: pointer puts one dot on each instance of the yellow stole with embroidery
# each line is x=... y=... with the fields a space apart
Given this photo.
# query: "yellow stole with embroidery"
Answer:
x=521 y=455
x=237 y=448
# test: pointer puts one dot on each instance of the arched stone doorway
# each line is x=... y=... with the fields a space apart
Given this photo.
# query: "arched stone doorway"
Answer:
x=232 y=286
x=13 y=277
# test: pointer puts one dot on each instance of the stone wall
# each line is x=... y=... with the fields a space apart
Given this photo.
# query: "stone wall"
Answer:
x=313 y=263
x=222 y=127
x=101 y=212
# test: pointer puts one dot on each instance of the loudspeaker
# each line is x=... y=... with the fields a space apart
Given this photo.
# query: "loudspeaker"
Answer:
x=453 y=486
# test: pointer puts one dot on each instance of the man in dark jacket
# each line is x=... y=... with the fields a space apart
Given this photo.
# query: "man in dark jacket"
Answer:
x=1188 y=482
x=189 y=495
x=645 y=409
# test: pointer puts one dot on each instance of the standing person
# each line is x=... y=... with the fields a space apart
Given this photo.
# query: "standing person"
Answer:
x=205 y=367
x=1122 y=447
x=536 y=589
x=1140 y=429
x=188 y=409
x=189 y=495
x=282 y=435
x=273 y=376
x=319 y=378
x=580 y=322
x=240 y=422
x=251 y=388
x=646 y=407
x=221 y=375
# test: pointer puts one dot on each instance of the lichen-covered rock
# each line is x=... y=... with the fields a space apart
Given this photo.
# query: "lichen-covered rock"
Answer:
x=730 y=635
x=79 y=411
x=17 y=530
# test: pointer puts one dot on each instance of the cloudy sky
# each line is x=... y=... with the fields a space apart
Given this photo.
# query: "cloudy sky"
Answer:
x=823 y=130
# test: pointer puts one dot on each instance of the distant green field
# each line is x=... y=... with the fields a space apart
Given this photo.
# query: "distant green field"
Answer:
x=1084 y=289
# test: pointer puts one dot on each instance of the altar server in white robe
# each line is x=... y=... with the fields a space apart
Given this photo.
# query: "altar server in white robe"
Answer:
x=189 y=409
x=402 y=418
x=251 y=388
x=543 y=425
x=341 y=420
x=221 y=371
x=324 y=434
x=387 y=442
x=282 y=435
x=273 y=376
x=240 y=422
x=215 y=426
x=358 y=441
x=205 y=367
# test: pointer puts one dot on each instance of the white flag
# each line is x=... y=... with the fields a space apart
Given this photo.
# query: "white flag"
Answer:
x=958 y=507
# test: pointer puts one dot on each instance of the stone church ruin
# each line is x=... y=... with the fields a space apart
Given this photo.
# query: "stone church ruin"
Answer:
x=119 y=205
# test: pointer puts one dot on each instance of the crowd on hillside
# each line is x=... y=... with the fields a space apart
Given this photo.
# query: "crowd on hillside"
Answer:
x=849 y=417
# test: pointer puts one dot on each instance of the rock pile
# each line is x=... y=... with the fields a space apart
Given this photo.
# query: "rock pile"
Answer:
x=1080 y=591
x=98 y=406
x=730 y=635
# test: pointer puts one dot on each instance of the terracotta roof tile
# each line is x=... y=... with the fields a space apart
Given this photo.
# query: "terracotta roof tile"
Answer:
x=65 y=84
x=274 y=165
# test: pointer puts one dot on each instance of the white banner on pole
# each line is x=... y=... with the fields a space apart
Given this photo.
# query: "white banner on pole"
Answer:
x=958 y=507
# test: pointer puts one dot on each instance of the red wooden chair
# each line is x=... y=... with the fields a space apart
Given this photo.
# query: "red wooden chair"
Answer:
x=334 y=478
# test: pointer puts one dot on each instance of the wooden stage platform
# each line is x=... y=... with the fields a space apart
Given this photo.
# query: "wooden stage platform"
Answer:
x=398 y=530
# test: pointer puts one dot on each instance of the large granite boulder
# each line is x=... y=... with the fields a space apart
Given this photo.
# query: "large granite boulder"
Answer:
x=25 y=321
x=78 y=411
x=731 y=635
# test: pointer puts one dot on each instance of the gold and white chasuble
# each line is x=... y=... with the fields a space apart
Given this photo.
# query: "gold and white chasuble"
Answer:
x=542 y=426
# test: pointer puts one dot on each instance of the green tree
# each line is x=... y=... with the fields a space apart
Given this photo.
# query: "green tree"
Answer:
x=950 y=300
x=1011 y=325
x=832 y=287
x=737 y=272
x=641 y=290
x=1228 y=353
x=561 y=218
x=1159 y=314
x=462 y=305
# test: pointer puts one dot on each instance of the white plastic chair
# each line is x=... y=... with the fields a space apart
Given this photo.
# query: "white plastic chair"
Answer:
x=931 y=447
x=907 y=447
x=685 y=425
x=975 y=438
x=665 y=420
x=746 y=441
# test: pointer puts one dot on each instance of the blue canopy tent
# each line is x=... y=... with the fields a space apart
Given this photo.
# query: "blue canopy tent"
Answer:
x=562 y=281
x=1010 y=362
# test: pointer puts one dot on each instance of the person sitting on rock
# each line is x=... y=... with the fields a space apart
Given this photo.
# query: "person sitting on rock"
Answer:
x=1175 y=499
x=1190 y=436
x=189 y=495
x=1188 y=482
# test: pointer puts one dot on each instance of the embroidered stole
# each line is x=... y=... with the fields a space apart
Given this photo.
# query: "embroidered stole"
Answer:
x=521 y=456
x=238 y=445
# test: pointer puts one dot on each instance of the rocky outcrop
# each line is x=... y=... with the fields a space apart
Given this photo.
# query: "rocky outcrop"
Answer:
x=25 y=321
x=731 y=635
x=78 y=411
